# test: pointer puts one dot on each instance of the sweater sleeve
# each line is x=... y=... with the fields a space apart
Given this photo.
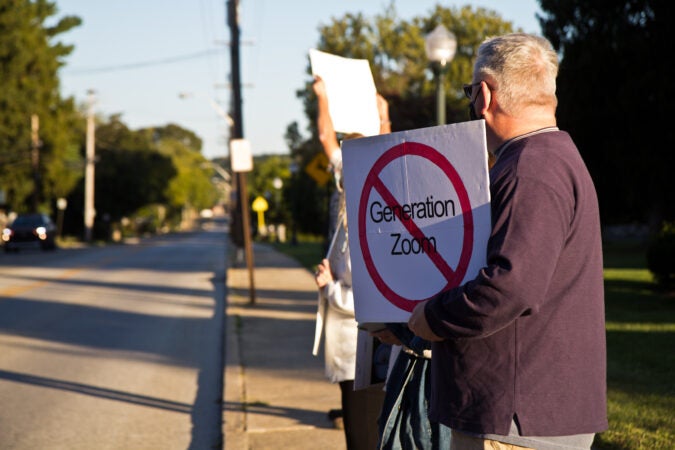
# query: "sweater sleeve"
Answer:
x=340 y=297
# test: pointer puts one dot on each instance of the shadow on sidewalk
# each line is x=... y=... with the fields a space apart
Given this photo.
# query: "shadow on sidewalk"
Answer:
x=317 y=419
x=267 y=296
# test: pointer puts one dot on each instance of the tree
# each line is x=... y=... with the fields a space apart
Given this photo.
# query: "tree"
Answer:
x=308 y=202
x=187 y=138
x=266 y=169
x=191 y=187
x=154 y=174
x=29 y=61
x=130 y=173
x=395 y=50
x=614 y=92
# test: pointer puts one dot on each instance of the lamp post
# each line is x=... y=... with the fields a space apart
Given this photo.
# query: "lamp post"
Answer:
x=89 y=211
x=440 y=46
x=61 y=205
x=294 y=168
x=280 y=227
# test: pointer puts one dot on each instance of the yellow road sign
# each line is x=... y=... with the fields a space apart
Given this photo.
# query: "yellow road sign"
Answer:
x=318 y=169
x=259 y=204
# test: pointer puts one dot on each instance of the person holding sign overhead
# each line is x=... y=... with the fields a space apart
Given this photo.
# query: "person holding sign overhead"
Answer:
x=519 y=352
x=330 y=144
x=335 y=318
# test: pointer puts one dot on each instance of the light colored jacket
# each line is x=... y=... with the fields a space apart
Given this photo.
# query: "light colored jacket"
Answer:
x=335 y=313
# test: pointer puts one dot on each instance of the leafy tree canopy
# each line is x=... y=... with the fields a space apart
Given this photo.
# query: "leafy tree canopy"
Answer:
x=130 y=173
x=137 y=169
x=191 y=186
x=187 y=138
x=267 y=169
x=30 y=57
x=614 y=90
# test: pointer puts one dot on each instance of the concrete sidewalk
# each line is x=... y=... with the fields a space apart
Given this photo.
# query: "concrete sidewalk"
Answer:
x=276 y=394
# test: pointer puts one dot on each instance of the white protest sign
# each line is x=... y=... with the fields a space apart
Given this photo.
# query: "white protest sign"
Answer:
x=352 y=100
x=418 y=211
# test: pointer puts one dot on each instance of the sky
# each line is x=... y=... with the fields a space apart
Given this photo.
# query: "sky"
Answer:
x=157 y=62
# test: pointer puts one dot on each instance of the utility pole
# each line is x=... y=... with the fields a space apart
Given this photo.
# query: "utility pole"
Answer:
x=35 y=158
x=89 y=211
x=238 y=133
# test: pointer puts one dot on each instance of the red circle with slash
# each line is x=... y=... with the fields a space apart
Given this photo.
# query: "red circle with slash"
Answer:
x=373 y=182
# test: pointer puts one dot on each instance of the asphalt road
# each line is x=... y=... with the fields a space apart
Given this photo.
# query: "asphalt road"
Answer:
x=114 y=347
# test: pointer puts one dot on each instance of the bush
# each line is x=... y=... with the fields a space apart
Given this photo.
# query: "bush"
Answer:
x=661 y=255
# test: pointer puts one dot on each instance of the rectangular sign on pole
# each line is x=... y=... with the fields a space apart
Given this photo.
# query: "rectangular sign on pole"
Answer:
x=241 y=159
x=418 y=212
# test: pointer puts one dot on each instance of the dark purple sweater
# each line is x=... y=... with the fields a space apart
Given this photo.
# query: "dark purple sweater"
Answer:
x=526 y=337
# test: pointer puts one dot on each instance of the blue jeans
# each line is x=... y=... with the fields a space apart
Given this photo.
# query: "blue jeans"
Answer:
x=404 y=423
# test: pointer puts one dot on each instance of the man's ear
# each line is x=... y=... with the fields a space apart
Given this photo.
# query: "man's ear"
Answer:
x=486 y=93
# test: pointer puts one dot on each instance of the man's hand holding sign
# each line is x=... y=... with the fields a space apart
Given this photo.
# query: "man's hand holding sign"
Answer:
x=418 y=324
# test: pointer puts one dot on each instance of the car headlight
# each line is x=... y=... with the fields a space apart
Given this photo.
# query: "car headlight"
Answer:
x=41 y=232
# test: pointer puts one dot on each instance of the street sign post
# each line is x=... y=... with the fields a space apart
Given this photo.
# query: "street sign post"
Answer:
x=260 y=205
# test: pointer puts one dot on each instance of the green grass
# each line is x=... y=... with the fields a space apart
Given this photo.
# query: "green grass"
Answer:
x=640 y=354
x=640 y=348
x=309 y=250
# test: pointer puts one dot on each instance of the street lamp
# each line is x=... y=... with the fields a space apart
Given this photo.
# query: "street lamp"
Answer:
x=440 y=46
x=278 y=183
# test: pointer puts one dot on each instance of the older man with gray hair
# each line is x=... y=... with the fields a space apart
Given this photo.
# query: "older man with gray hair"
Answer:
x=519 y=353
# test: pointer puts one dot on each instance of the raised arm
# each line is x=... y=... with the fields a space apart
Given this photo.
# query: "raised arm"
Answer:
x=324 y=123
x=383 y=110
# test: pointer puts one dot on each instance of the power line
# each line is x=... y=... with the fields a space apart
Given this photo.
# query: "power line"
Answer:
x=139 y=65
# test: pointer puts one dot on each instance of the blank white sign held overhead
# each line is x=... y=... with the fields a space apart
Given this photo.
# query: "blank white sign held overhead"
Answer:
x=352 y=97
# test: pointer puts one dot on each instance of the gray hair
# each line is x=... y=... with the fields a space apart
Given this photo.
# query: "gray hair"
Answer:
x=521 y=68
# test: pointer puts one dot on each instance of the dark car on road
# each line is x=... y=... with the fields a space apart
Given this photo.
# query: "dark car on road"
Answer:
x=30 y=231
